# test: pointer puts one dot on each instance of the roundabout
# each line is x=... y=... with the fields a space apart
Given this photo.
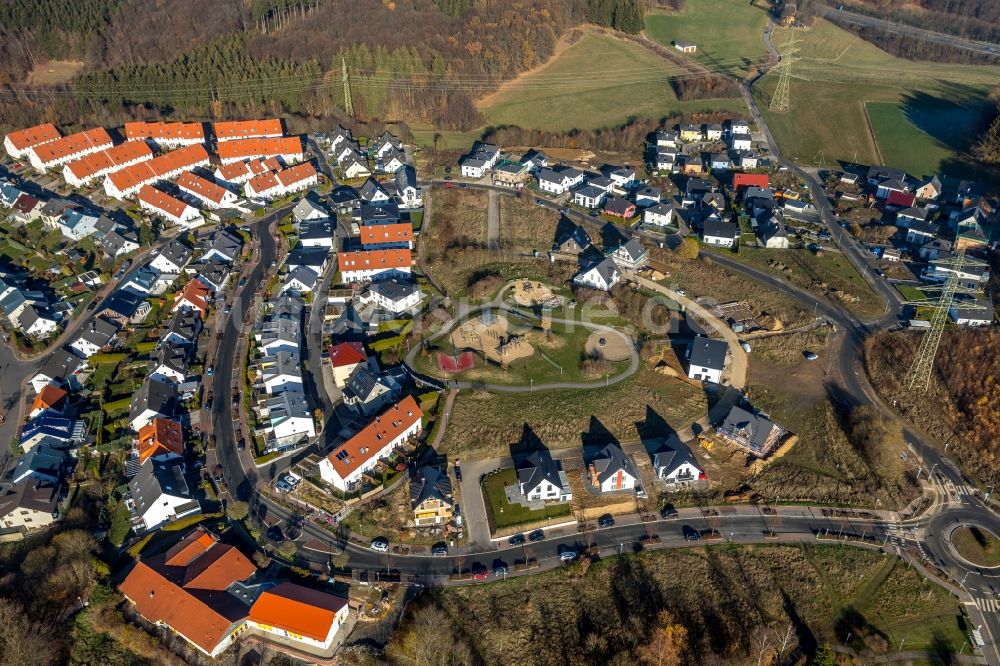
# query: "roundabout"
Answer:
x=976 y=545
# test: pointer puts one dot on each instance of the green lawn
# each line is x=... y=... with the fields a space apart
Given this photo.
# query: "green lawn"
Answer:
x=504 y=514
x=922 y=137
x=599 y=81
x=839 y=73
x=729 y=33
x=910 y=293
x=980 y=547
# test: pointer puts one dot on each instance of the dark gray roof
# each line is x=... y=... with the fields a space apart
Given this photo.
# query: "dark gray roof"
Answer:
x=226 y=244
x=395 y=289
x=123 y=303
x=315 y=229
x=287 y=306
x=382 y=212
x=429 y=482
x=304 y=276
x=697 y=186
x=160 y=397
x=60 y=365
x=751 y=427
x=924 y=227
x=708 y=353
x=633 y=248
x=172 y=356
x=185 y=324
x=41 y=462
x=155 y=479
x=31 y=494
x=370 y=189
x=574 y=233
x=885 y=173
x=361 y=383
x=590 y=191
x=720 y=229
x=406 y=177
x=312 y=257
x=535 y=468
x=98 y=331
x=915 y=213
x=609 y=460
x=308 y=206
x=177 y=253
x=214 y=274
x=672 y=455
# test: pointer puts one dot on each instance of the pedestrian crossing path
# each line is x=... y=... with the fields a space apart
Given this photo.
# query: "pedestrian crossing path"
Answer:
x=962 y=489
x=988 y=605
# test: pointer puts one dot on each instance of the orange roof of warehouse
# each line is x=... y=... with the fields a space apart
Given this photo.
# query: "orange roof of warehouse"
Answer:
x=386 y=233
x=267 y=147
x=72 y=144
x=386 y=427
x=244 y=129
x=298 y=610
x=33 y=136
x=205 y=189
x=102 y=160
x=139 y=130
x=156 y=167
x=162 y=201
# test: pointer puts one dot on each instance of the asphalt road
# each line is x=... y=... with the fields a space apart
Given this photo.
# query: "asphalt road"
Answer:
x=893 y=27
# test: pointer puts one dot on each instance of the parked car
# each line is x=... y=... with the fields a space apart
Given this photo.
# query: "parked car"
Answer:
x=211 y=370
x=283 y=486
x=380 y=544
x=668 y=512
x=458 y=473
x=275 y=534
x=607 y=520
x=479 y=572
x=243 y=282
x=516 y=540
x=500 y=568
x=567 y=554
x=811 y=356
x=690 y=533
x=439 y=550
x=746 y=347
x=537 y=535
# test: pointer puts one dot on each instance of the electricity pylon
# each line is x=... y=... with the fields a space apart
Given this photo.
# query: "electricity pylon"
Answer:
x=781 y=99
x=348 y=105
x=919 y=375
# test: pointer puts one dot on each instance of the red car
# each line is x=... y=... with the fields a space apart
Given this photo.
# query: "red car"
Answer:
x=481 y=574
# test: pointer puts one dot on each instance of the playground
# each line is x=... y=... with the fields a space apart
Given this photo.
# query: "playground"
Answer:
x=533 y=294
x=492 y=335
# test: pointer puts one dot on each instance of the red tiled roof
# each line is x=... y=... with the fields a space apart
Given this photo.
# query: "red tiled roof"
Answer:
x=160 y=436
x=386 y=427
x=185 y=588
x=298 y=610
x=196 y=294
x=182 y=158
x=263 y=182
x=359 y=260
x=296 y=174
x=26 y=203
x=104 y=160
x=372 y=234
x=162 y=201
x=265 y=147
x=72 y=144
x=33 y=136
x=244 y=129
x=49 y=396
x=140 y=130
x=205 y=189
x=347 y=353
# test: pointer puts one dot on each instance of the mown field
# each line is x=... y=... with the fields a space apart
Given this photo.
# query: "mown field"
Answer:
x=484 y=425
x=729 y=34
x=840 y=73
x=598 y=81
x=719 y=605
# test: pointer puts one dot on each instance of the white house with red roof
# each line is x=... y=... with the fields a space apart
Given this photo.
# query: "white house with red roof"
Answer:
x=232 y=130
x=128 y=181
x=56 y=153
x=347 y=463
x=208 y=193
x=286 y=148
x=165 y=135
x=276 y=184
x=300 y=614
x=18 y=143
x=169 y=208
x=97 y=165
x=344 y=358
x=364 y=265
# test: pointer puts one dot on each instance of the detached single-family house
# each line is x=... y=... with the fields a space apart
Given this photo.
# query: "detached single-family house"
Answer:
x=713 y=132
x=929 y=190
x=31 y=504
x=910 y=216
x=287 y=420
x=172 y=259
x=367 y=392
x=741 y=142
x=719 y=233
x=602 y=275
x=772 y=232
x=281 y=372
x=674 y=463
x=707 y=359
x=685 y=46
x=394 y=295
x=919 y=232
x=344 y=358
x=95 y=336
x=611 y=470
x=62 y=368
x=749 y=430
x=887 y=187
x=690 y=133
x=618 y=207
x=972 y=312
x=541 y=479
x=169 y=364
x=51 y=398
x=153 y=400
x=76 y=224
x=430 y=496
x=481 y=159
x=660 y=215
x=647 y=195
x=589 y=196
x=158 y=494
x=559 y=180
x=408 y=193
x=160 y=439
x=52 y=430
x=630 y=255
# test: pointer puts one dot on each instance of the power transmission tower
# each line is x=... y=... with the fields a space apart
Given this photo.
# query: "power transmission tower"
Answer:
x=919 y=375
x=780 y=101
x=348 y=105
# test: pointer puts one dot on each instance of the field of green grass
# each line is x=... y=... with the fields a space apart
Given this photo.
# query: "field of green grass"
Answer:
x=839 y=73
x=729 y=34
x=900 y=134
x=598 y=81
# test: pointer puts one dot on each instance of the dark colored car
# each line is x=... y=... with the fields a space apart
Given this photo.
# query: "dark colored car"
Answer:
x=500 y=568
x=669 y=512
x=690 y=533
x=275 y=534
x=439 y=550
x=607 y=520
x=458 y=472
x=516 y=540
x=537 y=535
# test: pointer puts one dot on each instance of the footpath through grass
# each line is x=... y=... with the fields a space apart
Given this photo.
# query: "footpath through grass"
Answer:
x=504 y=514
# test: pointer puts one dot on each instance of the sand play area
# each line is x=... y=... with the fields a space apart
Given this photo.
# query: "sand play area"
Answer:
x=530 y=293
x=609 y=345
x=491 y=335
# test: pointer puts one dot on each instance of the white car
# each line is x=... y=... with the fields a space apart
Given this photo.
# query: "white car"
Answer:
x=380 y=545
x=746 y=347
